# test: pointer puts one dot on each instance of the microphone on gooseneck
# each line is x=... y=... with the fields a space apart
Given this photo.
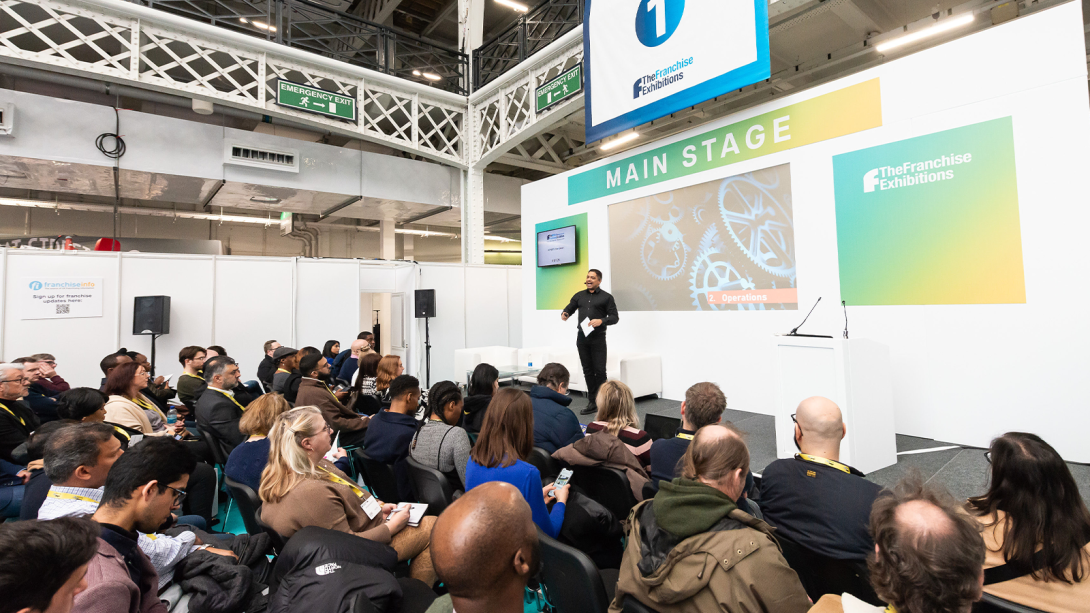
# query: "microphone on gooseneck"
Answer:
x=844 y=304
x=796 y=330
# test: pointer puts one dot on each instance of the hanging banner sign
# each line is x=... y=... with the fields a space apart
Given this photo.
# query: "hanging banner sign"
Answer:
x=852 y=109
x=60 y=297
x=650 y=58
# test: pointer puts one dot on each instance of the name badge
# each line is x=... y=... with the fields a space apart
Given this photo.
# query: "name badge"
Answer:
x=371 y=507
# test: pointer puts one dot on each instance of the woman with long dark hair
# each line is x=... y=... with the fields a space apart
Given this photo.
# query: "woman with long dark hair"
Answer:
x=129 y=407
x=330 y=351
x=484 y=382
x=1036 y=527
x=439 y=442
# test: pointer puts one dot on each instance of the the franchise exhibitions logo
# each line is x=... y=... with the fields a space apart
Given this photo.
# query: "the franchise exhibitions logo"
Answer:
x=660 y=78
x=657 y=20
x=913 y=173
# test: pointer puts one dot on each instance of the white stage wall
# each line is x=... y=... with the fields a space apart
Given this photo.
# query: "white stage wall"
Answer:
x=962 y=373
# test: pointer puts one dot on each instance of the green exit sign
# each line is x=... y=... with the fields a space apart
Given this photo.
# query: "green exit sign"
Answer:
x=563 y=87
x=313 y=100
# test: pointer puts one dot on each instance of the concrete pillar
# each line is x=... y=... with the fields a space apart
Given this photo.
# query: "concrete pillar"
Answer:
x=406 y=246
x=473 y=217
x=386 y=235
x=470 y=24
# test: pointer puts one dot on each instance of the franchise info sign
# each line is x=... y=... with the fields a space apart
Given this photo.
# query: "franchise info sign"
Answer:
x=60 y=297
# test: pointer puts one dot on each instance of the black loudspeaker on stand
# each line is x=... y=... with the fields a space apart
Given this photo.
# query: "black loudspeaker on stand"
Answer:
x=425 y=309
x=151 y=316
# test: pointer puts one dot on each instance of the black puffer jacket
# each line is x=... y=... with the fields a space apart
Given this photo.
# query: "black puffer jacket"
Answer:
x=473 y=411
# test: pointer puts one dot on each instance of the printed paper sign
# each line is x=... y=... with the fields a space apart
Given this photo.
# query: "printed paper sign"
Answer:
x=60 y=297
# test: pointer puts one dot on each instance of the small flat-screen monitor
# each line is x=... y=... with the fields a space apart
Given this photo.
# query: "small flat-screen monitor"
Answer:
x=556 y=247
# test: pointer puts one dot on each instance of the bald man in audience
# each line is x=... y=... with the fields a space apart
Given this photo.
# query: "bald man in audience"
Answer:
x=813 y=499
x=484 y=548
x=928 y=555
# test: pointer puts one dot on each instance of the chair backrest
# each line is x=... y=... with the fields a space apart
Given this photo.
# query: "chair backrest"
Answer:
x=366 y=404
x=608 y=486
x=571 y=580
x=545 y=463
x=631 y=605
x=432 y=487
x=378 y=476
x=822 y=575
x=248 y=503
x=215 y=446
x=995 y=604
x=660 y=426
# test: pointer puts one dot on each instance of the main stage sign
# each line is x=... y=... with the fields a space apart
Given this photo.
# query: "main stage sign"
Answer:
x=649 y=58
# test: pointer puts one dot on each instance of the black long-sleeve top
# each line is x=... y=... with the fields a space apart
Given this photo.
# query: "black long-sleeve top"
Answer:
x=596 y=305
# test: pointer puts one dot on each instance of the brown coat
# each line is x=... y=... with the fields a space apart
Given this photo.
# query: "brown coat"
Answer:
x=315 y=393
x=739 y=570
x=111 y=590
x=604 y=449
x=326 y=504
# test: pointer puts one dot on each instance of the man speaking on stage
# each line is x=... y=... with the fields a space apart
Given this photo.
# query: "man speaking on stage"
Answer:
x=598 y=306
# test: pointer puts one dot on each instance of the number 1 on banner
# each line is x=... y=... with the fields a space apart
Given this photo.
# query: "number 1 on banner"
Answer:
x=660 y=16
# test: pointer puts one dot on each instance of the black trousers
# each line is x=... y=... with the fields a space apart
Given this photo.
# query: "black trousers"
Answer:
x=592 y=355
x=201 y=492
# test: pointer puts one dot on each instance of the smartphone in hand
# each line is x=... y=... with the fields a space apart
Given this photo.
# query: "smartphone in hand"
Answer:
x=561 y=480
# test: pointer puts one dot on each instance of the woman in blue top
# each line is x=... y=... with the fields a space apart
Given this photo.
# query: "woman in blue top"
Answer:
x=507 y=436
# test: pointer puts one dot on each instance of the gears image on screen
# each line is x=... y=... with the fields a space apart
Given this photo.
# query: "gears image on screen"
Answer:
x=556 y=247
x=727 y=244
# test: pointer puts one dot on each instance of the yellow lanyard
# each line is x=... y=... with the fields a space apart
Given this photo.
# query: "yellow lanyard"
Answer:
x=128 y=437
x=194 y=376
x=830 y=463
x=286 y=372
x=334 y=478
x=67 y=496
x=687 y=437
x=890 y=609
x=147 y=405
x=12 y=413
x=240 y=407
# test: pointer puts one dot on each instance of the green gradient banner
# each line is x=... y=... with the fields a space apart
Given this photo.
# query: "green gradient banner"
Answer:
x=556 y=284
x=931 y=220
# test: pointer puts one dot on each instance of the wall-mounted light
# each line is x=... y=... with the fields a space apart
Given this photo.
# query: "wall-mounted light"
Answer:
x=617 y=142
x=517 y=6
x=943 y=26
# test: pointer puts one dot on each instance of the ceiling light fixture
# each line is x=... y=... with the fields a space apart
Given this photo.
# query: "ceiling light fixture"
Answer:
x=244 y=20
x=431 y=76
x=263 y=26
x=264 y=199
x=502 y=239
x=517 y=6
x=416 y=73
x=943 y=26
x=617 y=142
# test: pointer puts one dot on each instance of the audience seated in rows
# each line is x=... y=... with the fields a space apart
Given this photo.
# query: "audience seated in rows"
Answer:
x=43 y=564
x=218 y=410
x=439 y=443
x=1036 y=527
x=49 y=380
x=313 y=391
x=703 y=405
x=17 y=421
x=191 y=384
x=390 y=367
x=294 y=379
x=299 y=488
x=158 y=390
x=617 y=415
x=128 y=406
x=695 y=519
x=506 y=439
x=249 y=458
x=43 y=404
x=286 y=360
x=142 y=488
x=330 y=351
x=338 y=362
x=485 y=548
x=391 y=431
x=88 y=405
x=813 y=499
x=365 y=385
x=555 y=425
x=927 y=557
x=345 y=368
x=484 y=382
x=604 y=449
x=267 y=366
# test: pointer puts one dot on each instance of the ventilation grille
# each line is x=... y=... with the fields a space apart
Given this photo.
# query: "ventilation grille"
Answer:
x=262 y=157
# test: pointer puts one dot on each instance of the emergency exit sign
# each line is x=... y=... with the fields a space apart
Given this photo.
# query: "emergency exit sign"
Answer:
x=313 y=100
x=563 y=87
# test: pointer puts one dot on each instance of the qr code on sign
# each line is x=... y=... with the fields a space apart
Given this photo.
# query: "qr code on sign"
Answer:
x=62 y=309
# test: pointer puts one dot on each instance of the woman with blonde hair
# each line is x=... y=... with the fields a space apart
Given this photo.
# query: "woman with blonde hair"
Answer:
x=390 y=368
x=617 y=415
x=299 y=488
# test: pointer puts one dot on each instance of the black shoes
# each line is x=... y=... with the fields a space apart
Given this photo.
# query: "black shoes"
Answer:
x=590 y=410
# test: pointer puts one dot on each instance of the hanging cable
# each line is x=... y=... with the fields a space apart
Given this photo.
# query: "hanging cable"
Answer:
x=115 y=153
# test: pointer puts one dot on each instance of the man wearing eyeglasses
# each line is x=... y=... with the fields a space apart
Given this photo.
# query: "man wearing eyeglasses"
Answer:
x=17 y=421
x=813 y=499
x=142 y=488
x=52 y=383
x=219 y=409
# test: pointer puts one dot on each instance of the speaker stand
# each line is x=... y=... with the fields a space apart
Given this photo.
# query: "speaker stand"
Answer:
x=427 y=353
x=153 y=337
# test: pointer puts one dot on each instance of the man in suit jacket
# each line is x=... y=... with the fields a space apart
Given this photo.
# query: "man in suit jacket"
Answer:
x=314 y=392
x=218 y=411
x=17 y=421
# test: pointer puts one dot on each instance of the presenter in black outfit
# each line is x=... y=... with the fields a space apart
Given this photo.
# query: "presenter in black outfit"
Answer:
x=599 y=306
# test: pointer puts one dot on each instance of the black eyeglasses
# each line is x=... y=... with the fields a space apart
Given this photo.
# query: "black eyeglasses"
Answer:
x=19 y=380
x=179 y=495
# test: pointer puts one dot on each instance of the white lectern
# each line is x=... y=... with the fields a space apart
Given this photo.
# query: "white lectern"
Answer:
x=853 y=373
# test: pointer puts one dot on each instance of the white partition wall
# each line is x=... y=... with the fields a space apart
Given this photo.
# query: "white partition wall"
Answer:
x=327 y=302
x=254 y=303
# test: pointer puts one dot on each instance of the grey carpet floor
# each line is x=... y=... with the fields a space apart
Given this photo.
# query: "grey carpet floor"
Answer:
x=963 y=471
